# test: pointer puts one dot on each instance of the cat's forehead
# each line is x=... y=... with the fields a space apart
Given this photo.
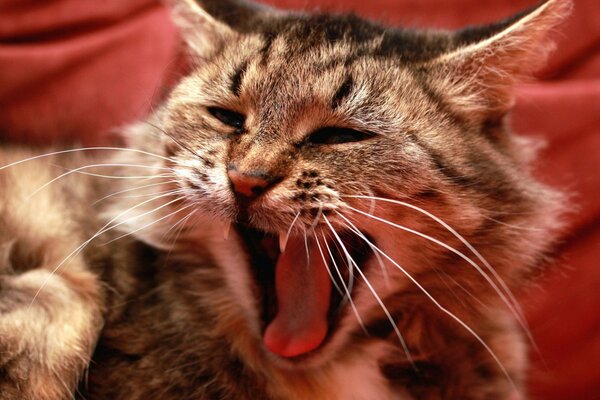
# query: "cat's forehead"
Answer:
x=321 y=58
x=310 y=33
x=327 y=85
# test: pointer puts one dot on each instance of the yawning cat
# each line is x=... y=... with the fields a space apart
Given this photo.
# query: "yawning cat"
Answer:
x=324 y=208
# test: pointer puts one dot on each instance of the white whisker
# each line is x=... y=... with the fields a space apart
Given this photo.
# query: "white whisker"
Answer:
x=434 y=301
x=180 y=223
x=384 y=271
x=132 y=189
x=101 y=231
x=151 y=223
x=283 y=241
x=82 y=149
x=318 y=217
x=460 y=286
x=513 y=305
x=94 y=166
x=518 y=227
x=348 y=296
x=337 y=287
x=375 y=295
x=449 y=248
x=306 y=246
x=122 y=176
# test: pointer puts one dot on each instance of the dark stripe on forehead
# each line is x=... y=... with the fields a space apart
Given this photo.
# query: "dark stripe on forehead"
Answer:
x=265 y=51
x=449 y=172
x=237 y=77
x=440 y=164
x=489 y=178
x=421 y=77
x=344 y=91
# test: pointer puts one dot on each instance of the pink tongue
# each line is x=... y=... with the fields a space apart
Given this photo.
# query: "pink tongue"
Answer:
x=303 y=290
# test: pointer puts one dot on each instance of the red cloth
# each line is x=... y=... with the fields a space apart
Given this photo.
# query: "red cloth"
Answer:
x=69 y=71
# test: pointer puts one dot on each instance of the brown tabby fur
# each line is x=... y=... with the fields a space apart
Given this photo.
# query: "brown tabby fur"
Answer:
x=174 y=311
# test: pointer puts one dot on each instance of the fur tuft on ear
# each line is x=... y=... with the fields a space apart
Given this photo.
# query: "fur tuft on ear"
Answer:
x=477 y=78
x=240 y=15
x=202 y=32
x=206 y=25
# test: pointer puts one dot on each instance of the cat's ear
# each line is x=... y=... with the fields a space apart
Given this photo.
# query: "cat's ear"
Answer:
x=206 y=25
x=477 y=76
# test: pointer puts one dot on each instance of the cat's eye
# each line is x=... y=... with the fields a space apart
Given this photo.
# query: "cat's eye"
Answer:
x=335 y=135
x=228 y=117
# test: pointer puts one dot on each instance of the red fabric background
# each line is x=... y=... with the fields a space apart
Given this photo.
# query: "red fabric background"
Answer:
x=71 y=72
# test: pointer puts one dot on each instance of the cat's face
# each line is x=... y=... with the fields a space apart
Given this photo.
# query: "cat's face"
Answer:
x=299 y=129
x=315 y=132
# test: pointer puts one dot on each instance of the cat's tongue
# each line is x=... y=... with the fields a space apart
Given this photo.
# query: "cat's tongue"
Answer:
x=303 y=290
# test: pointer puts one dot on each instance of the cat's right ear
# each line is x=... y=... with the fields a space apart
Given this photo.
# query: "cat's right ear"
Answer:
x=478 y=75
x=206 y=25
x=202 y=32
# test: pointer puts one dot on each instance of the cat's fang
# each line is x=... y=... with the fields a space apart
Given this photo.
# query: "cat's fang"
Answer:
x=226 y=229
x=283 y=239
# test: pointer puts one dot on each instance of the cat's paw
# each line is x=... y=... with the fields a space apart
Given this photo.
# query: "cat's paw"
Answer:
x=21 y=378
x=46 y=337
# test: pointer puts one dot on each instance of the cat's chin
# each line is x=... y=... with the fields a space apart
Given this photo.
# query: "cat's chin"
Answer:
x=302 y=298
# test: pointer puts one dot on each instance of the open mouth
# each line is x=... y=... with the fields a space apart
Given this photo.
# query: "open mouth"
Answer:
x=303 y=289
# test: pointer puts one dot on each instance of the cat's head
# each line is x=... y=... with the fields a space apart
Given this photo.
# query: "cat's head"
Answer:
x=371 y=154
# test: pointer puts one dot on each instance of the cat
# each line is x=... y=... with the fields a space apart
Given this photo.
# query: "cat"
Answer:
x=324 y=208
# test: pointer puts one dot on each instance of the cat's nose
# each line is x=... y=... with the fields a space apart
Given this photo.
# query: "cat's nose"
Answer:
x=251 y=184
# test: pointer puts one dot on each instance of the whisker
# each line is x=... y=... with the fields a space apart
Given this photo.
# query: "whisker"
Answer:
x=337 y=287
x=457 y=284
x=82 y=149
x=175 y=140
x=307 y=250
x=132 y=189
x=282 y=244
x=139 y=196
x=180 y=223
x=93 y=166
x=101 y=231
x=150 y=224
x=125 y=165
x=348 y=295
x=375 y=295
x=171 y=193
x=449 y=248
x=349 y=266
x=123 y=176
x=384 y=271
x=435 y=302
x=318 y=217
x=514 y=304
x=518 y=227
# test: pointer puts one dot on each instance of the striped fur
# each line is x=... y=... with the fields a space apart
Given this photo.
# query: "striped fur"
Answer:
x=177 y=310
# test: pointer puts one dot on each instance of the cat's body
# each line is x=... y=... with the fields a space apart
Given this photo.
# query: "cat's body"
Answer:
x=322 y=139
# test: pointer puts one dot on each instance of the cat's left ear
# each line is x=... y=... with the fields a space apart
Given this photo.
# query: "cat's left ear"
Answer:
x=206 y=25
x=477 y=76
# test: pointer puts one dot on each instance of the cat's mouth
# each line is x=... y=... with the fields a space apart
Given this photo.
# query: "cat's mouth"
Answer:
x=302 y=287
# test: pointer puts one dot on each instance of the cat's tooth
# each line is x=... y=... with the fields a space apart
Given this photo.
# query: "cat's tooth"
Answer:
x=283 y=239
x=226 y=229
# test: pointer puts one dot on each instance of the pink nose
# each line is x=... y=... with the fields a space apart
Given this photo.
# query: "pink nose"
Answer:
x=247 y=185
